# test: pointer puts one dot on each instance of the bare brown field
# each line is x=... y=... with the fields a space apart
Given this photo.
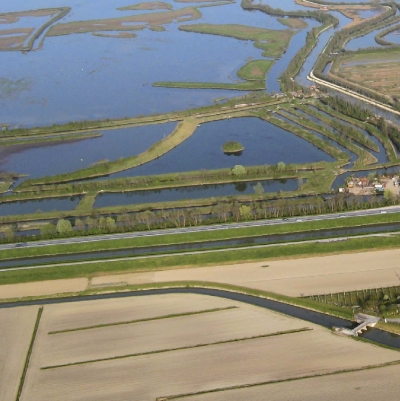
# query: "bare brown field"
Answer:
x=293 y=277
x=38 y=289
x=201 y=369
x=366 y=385
x=165 y=334
x=71 y=316
x=16 y=328
x=125 y=23
x=382 y=77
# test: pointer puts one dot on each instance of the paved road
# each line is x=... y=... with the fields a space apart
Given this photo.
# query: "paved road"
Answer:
x=97 y=261
x=185 y=230
x=349 y=92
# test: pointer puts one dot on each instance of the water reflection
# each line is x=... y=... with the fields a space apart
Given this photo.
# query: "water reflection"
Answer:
x=39 y=205
x=66 y=156
x=193 y=192
x=263 y=142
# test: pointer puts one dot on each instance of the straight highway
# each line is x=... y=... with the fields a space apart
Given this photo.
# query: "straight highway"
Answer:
x=185 y=230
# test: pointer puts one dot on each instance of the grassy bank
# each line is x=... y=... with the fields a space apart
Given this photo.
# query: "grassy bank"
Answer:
x=183 y=131
x=273 y=43
x=203 y=236
x=209 y=258
x=253 y=73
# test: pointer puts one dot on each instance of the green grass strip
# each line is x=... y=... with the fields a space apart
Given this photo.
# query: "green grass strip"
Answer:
x=213 y=235
x=278 y=333
x=85 y=269
x=173 y=315
x=28 y=355
x=244 y=86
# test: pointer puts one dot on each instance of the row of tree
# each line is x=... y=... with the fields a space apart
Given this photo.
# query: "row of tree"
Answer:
x=221 y=212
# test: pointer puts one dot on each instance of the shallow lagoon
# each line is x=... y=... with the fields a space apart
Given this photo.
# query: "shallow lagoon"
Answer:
x=62 y=157
x=264 y=143
x=80 y=76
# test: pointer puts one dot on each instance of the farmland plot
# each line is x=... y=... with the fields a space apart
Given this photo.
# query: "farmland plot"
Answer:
x=219 y=363
x=158 y=335
x=16 y=328
x=70 y=316
x=365 y=385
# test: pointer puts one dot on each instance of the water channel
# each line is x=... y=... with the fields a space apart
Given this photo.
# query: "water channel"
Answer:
x=38 y=205
x=193 y=192
x=236 y=242
x=376 y=335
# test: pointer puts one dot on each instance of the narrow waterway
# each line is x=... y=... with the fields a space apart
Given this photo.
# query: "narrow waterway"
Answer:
x=235 y=242
x=307 y=315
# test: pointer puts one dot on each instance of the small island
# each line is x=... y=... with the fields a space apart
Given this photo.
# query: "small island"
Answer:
x=232 y=147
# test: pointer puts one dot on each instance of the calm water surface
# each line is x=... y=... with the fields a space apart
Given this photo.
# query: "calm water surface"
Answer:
x=43 y=205
x=197 y=192
x=264 y=143
x=63 y=157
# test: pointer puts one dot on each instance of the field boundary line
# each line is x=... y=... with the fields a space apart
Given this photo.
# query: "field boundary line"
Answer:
x=28 y=355
x=173 y=315
x=249 y=385
x=278 y=333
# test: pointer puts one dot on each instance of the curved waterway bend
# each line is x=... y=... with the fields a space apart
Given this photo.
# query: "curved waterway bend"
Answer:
x=307 y=315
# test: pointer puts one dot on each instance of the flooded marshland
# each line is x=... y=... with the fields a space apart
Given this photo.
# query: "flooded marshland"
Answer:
x=95 y=63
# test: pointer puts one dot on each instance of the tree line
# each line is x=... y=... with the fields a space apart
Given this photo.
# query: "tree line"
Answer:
x=221 y=212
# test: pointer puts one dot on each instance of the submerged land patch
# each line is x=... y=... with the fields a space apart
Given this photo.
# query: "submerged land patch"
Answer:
x=127 y=23
x=273 y=43
x=18 y=38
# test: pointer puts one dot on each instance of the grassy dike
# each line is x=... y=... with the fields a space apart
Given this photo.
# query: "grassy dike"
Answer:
x=327 y=21
x=346 y=131
x=198 y=237
x=308 y=136
x=364 y=157
x=186 y=127
x=206 y=258
x=183 y=131
x=387 y=144
x=254 y=73
x=272 y=42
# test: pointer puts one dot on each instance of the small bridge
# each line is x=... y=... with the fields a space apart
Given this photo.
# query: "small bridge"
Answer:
x=364 y=321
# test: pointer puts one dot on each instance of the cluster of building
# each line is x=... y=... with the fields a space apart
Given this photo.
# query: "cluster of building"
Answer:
x=364 y=185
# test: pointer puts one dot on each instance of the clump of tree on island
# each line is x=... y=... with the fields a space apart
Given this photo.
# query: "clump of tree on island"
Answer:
x=232 y=147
